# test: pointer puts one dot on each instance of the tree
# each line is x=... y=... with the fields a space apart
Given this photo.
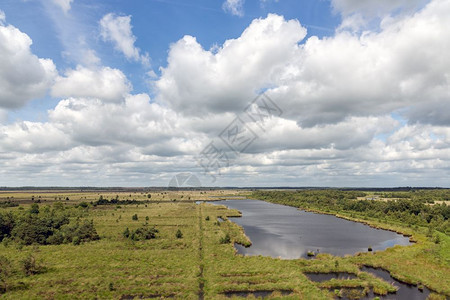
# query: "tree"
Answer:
x=7 y=223
x=179 y=234
x=34 y=209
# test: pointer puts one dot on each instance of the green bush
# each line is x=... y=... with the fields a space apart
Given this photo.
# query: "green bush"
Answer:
x=79 y=232
x=179 y=234
x=134 y=217
x=226 y=239
x=142 y=233
x=30 y=266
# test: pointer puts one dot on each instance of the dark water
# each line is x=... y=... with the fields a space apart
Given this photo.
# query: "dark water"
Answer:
x=256 y=294
x=405 y=291
x=319 y=277
x=283 y=231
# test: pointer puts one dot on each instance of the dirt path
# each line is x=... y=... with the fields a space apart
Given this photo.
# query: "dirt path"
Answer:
x=201 y=279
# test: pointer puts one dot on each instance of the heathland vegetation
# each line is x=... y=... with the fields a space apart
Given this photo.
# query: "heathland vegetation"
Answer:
x=127 y=244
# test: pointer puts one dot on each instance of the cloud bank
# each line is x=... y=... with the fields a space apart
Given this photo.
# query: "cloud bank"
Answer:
x=360 y=108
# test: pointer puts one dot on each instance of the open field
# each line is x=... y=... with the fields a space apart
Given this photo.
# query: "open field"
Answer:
x=80 y=195
x=200 y=264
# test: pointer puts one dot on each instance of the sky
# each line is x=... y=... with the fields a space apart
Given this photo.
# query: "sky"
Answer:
x=342 y=93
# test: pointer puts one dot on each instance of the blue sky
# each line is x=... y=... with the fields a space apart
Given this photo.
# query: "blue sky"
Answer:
x=130 y=92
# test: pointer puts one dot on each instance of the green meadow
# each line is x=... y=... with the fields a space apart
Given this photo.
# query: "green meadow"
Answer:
x=199 y=263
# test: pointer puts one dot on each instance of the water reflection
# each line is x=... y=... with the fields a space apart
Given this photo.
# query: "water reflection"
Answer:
x=283 y=231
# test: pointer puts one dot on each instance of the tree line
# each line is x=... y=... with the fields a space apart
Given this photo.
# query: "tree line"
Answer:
x=47 y=226
x=412 y=210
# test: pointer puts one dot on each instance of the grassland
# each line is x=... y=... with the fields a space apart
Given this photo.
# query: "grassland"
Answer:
x=198 y=265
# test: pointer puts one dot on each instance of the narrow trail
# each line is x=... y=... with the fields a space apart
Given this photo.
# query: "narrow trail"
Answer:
x=201 y=279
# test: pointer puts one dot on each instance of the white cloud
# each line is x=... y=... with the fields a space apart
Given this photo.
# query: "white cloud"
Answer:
x=323 y=80
x=197 y=81
x=403 y=66
x=135 y=121
x=33 y=137
x=23 y=76
x=351 y=133
x=234 y=7
x=65 y=5
x=89 y=57
x=117 y=29
x=105 y=83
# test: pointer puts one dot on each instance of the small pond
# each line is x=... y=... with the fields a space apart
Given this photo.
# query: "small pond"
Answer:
x=283 y=231
x=319 y=277
x=405 y=291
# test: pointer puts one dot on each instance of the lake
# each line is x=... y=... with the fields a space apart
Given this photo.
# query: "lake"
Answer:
x=283 y=231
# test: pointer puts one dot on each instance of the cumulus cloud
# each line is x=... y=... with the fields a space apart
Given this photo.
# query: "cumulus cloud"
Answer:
x=135 y=121
x=117 y=29
x=322 y=81
x=372 y=73
x=105 y=83
x=65 y=5
x=23 y=75
x=234 y=7
x=197 y=81
x=33 y=137
x=352 y=133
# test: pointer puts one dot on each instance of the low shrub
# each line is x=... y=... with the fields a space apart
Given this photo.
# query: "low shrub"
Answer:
x=143 y=233
x=226 y=239
x=31 y=267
